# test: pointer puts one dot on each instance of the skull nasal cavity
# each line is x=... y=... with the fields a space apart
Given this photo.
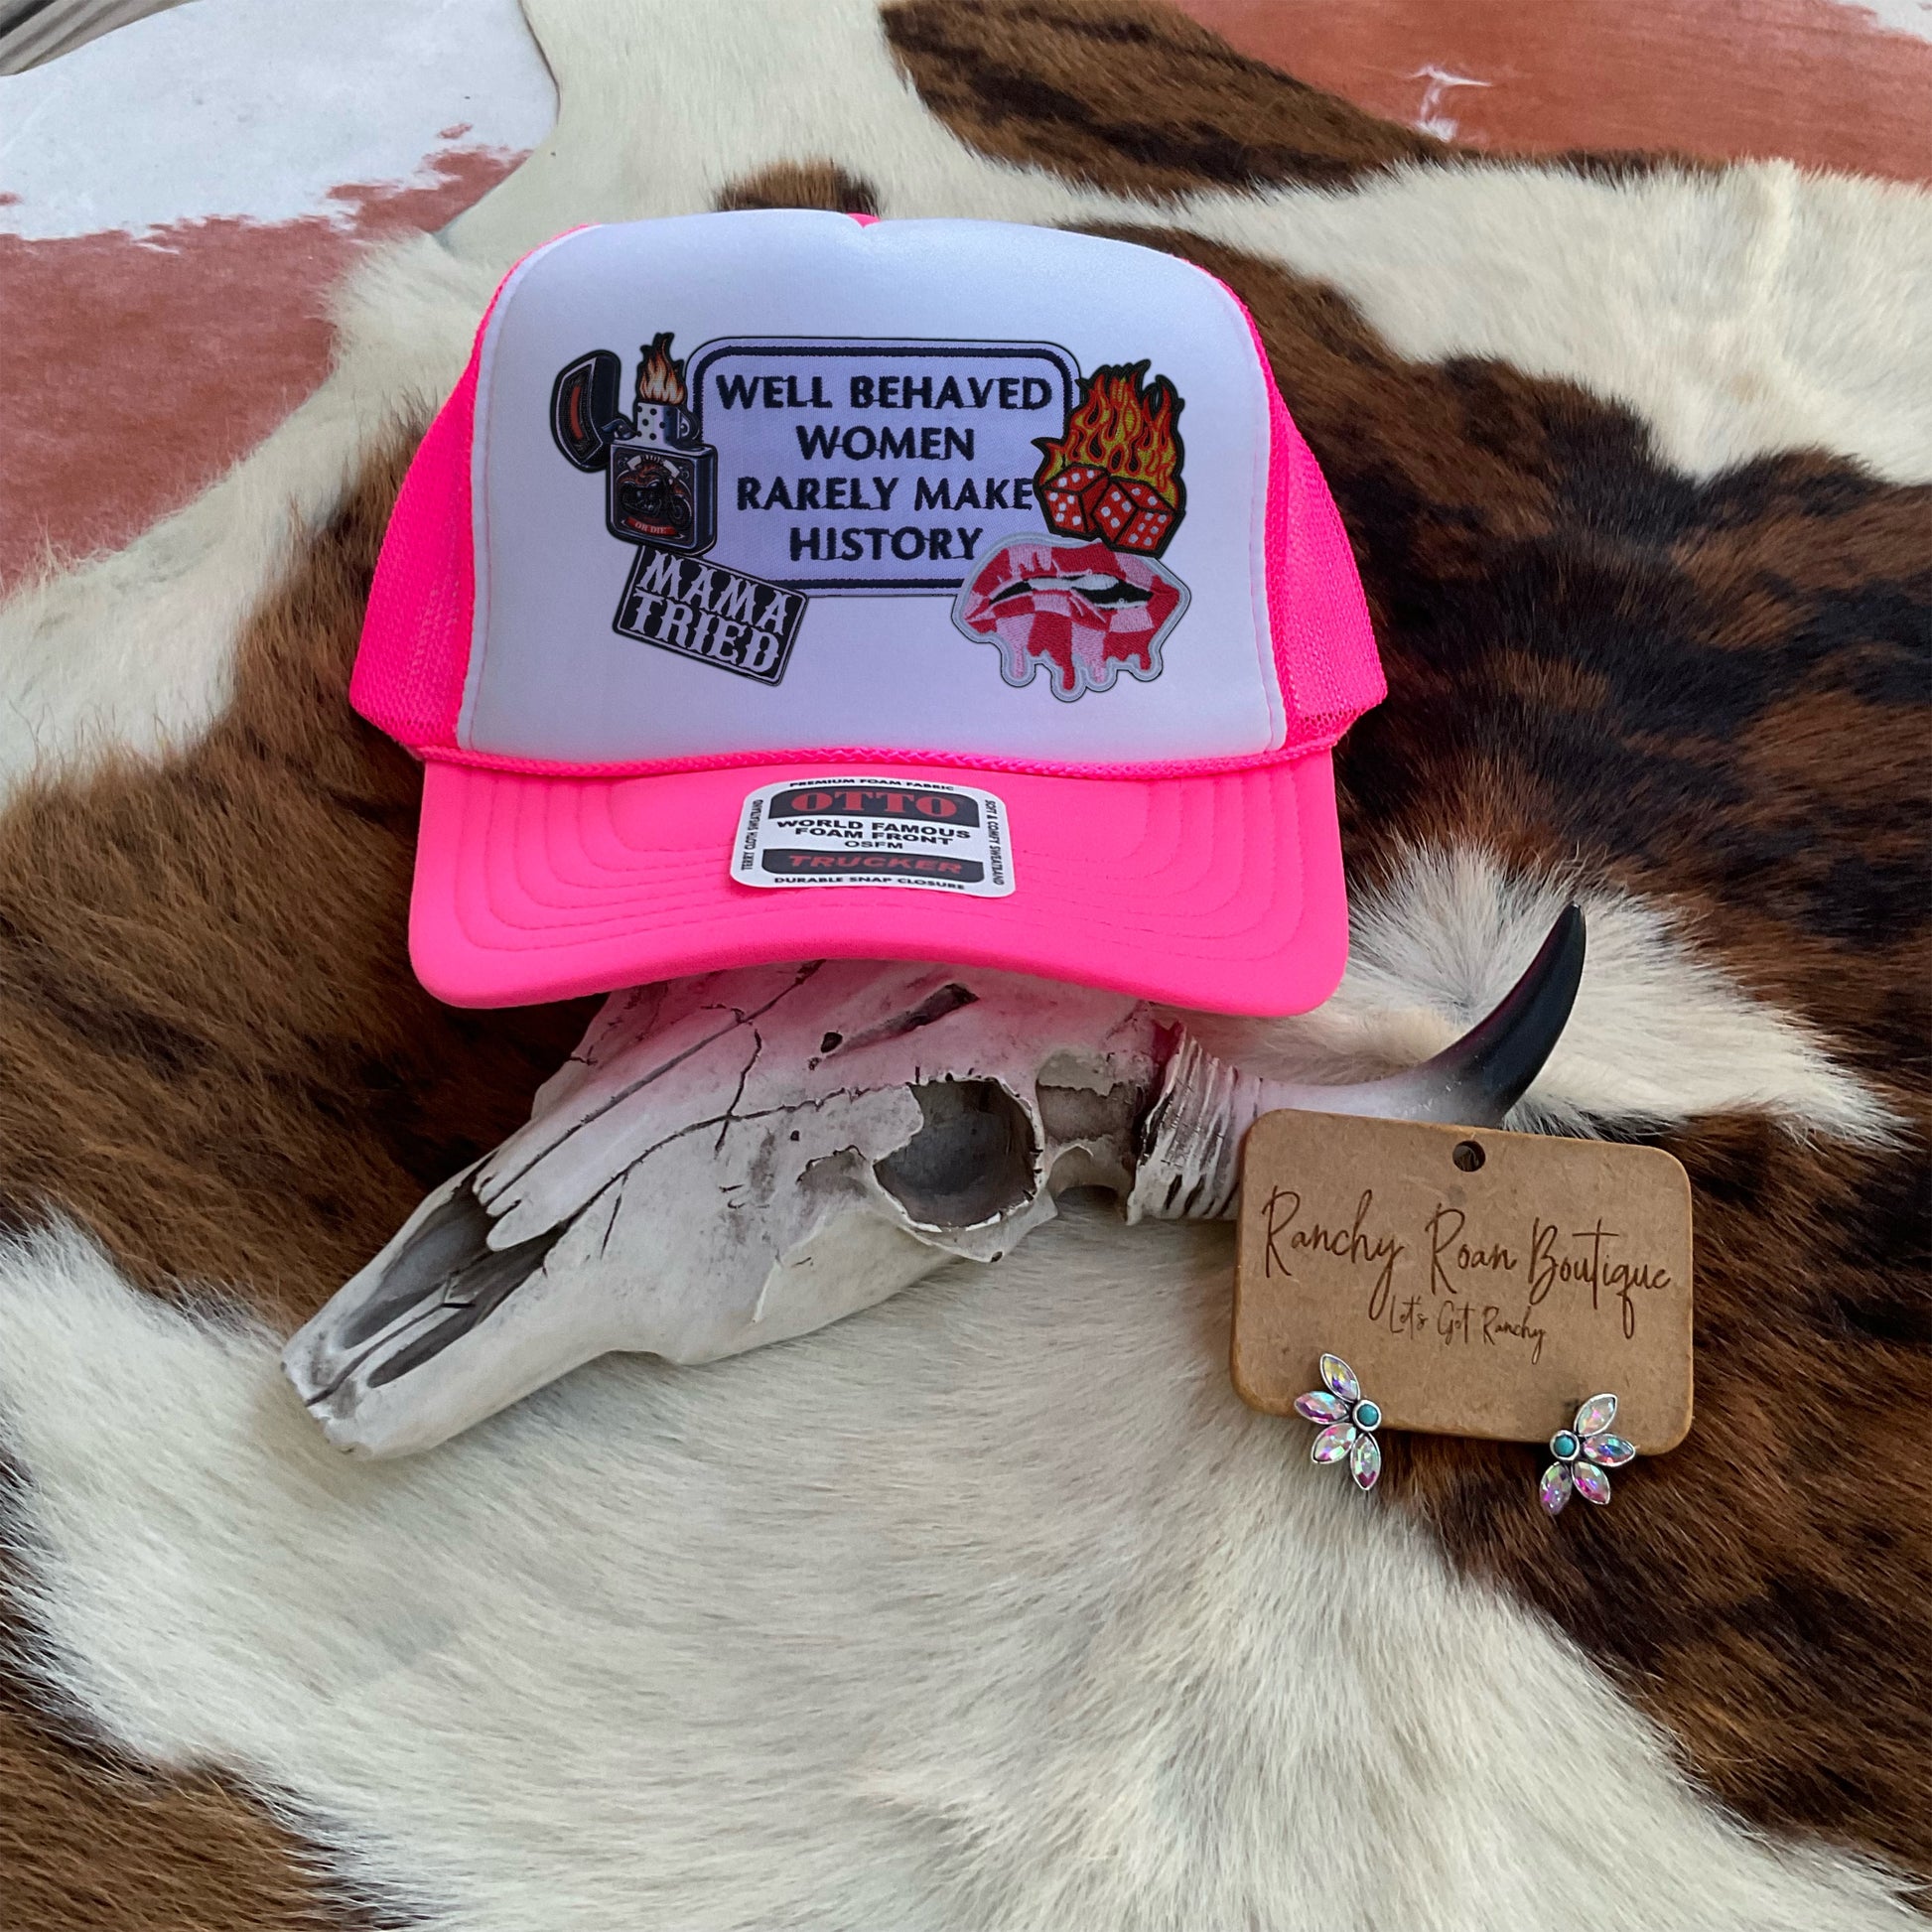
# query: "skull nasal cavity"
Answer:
x=973 y=1161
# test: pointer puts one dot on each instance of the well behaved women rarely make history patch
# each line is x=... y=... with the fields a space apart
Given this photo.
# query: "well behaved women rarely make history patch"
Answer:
x=845 y=831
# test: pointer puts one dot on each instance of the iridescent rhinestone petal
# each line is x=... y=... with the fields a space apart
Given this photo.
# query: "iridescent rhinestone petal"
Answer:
x=1342 y=1378
x=1610 y=1451
x=1365 y=1461
x=1335 y=1443
x=1595 y=1416
x=1555 y=1487
x=1591 y=1483
x=1319 y=1406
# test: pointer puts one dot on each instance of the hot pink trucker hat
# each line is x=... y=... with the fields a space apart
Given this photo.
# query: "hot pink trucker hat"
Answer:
x=784 y=585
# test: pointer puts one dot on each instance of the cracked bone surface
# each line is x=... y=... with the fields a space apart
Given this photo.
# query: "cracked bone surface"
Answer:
x=738 y=1158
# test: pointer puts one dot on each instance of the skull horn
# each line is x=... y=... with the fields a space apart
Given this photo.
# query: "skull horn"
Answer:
x=1190 y=1137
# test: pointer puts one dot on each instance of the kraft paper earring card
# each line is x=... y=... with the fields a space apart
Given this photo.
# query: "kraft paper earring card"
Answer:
x=1480 y=1283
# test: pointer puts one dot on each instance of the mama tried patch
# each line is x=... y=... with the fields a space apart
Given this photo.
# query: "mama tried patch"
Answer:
x=844 y=831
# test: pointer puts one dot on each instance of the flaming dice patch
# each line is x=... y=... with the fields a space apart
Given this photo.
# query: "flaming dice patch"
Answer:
x=1114 y=472
x=1080 y=611
x=1090 y=601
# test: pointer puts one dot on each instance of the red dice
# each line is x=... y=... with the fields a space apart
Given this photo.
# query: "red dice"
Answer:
x=1071 y=498
x=1132 y=515
x=1121 y=511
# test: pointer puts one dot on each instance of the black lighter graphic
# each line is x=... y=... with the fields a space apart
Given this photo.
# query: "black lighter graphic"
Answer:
x=663 y=477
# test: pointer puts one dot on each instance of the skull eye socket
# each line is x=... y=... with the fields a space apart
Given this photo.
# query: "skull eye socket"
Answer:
x=973 y=1159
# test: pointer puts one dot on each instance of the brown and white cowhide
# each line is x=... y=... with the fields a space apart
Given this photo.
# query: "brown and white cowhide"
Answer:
x=993 y=1607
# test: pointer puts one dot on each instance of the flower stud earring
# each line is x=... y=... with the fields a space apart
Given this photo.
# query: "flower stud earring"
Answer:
x=1585 y=1452
x=1349 y=1421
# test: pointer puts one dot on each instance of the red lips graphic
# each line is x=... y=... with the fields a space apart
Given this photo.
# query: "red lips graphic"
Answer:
x=1082 y=610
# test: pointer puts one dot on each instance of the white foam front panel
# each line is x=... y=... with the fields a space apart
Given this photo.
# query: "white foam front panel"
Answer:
x=864 y=407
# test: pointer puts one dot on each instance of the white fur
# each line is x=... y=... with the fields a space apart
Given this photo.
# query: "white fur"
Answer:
x=1897 y=16
x=991 y=1609
x=1755 y=311
x=1658 y=1037
x=1739 y=315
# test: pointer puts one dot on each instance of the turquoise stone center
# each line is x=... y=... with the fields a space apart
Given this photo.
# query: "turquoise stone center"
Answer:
x=1563 y=1446
x=1367 y=1413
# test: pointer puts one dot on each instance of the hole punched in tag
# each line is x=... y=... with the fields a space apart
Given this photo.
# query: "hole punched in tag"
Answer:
x=1480 y=1281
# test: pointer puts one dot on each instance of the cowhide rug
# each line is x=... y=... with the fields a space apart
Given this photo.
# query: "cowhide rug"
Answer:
x=994 y=1608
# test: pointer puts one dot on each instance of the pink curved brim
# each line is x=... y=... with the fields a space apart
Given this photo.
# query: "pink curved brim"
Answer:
x=1221 y=891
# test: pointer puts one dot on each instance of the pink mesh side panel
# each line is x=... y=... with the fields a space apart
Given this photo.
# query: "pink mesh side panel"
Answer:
x=415 y=649
x=1324 y=649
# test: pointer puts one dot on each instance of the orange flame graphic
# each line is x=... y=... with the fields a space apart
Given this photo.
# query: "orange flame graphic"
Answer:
x=660 y=377
x=1122 y=428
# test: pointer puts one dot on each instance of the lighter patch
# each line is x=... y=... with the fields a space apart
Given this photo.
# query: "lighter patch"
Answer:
x=1741 y=314
x=1756 y=311
x=991 y=1607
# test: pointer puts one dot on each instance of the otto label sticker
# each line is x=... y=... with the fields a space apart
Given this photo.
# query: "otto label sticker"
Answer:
x=848 y=831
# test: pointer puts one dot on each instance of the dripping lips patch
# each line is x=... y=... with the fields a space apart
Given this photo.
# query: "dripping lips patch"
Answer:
x=1081 y=612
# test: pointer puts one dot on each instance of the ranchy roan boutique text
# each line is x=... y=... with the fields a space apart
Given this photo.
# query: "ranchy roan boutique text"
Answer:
x=882 y=440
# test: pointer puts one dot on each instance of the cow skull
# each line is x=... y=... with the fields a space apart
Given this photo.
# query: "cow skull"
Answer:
x=738 y=1158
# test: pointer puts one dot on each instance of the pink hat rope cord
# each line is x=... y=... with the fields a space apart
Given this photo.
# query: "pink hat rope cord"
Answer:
x=776 y=586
